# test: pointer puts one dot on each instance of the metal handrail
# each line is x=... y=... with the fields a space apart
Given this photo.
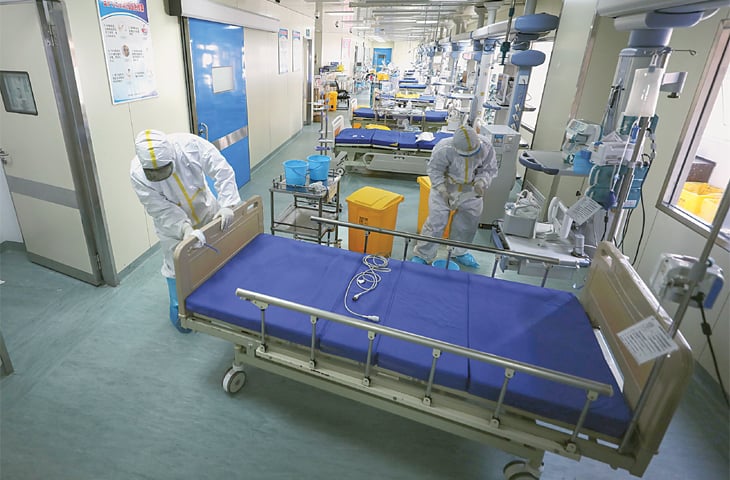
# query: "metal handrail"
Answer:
x=263 y=301
x=443 y=241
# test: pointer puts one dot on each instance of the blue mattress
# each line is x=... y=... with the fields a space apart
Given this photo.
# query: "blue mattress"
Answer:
x=364 y=112
x=354 y=136
x=409 y=80
x=412 y=86
x=532 y=324
x=385 y=138
x=436 y=116
x=427 y=98
x=407 y=141
x=428 y=145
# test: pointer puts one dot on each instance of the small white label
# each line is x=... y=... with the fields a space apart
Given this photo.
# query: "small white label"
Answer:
x=647 y=340
x=583 y=210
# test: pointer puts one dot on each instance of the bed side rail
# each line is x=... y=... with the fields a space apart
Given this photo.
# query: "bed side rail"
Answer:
x=195 y=265
x=615 y=297
x=592 y=388
x=442 y=241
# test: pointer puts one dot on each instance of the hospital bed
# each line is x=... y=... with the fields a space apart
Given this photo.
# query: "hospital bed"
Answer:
x=515 y=366
x=426 y=120
x=384 y=150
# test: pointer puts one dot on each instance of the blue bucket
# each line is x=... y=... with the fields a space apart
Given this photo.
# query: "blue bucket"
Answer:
x=295 y=172
x=319 y=167
x=442 y=263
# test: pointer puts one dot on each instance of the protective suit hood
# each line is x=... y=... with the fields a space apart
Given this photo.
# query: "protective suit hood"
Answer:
x=154 y=151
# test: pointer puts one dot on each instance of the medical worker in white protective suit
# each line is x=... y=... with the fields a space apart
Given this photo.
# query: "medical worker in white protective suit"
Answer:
x=168 y=175
x=461 y=169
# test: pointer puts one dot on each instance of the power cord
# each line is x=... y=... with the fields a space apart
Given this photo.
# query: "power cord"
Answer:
x=707 y=330
x=366 y=282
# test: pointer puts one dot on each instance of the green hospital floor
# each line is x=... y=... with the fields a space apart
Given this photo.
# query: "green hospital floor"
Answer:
x=105 y=388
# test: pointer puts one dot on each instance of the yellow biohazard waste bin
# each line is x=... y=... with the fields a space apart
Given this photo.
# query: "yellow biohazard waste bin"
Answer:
x=694 y=194
x=425 y=191
x=332 y=100
x=376 y=208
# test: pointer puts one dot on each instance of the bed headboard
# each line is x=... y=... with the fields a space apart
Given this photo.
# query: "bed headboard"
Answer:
x=615 y=297
x=195 y=265
x=337 y=125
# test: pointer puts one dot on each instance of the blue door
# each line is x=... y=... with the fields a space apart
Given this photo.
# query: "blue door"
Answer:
x=219 y=107
x=381 y=57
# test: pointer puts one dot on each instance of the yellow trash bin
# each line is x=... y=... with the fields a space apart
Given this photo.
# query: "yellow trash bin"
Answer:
x=694 y=193
x=376 y=208
x=425 y=191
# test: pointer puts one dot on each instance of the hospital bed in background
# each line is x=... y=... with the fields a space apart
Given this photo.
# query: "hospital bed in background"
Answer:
x=377 y=150
x=426 y=120
x=515 y=366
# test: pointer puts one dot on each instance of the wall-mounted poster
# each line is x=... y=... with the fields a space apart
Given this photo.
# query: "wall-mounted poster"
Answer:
x=125 y=32
x=283 y=50
x=296 y=51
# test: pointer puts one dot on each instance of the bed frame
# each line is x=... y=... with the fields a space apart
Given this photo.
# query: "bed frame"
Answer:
x=614 y=298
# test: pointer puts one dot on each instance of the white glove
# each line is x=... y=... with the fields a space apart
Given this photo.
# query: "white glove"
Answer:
x=444 y=192
x=480 y=187
x=188 y=232
x=226 y=216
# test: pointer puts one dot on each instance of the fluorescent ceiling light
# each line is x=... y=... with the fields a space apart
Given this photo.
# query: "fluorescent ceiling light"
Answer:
x=350 y=12
x=427 y=21
x=361 y=28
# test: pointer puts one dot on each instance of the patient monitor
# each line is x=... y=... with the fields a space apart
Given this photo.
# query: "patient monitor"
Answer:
x=559 y=218
x=579 y=134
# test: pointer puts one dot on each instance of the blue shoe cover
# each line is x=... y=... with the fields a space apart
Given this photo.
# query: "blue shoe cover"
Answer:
x=417 y=259
x=467 y=260
x=172 y=290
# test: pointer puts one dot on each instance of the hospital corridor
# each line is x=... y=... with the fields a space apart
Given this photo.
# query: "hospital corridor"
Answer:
x=372 y=239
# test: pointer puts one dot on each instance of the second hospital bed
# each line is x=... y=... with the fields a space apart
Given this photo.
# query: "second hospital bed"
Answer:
x=514 y=366
x=383 y=150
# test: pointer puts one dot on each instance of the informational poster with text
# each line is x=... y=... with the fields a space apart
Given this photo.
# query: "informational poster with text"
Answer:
x=127 y=41
x=283 y=50
x=296 y=51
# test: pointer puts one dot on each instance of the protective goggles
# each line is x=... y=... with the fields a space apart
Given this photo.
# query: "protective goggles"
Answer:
x=470 y=154
x=158 y=174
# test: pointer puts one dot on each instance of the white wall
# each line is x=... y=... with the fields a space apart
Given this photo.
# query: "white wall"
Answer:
x=113 y=127
x=275 y=109
x=9 y=228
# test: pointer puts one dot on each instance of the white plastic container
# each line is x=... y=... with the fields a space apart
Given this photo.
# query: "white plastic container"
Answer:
x=644 y=92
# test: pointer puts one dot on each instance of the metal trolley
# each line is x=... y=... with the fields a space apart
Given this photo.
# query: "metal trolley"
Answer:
x=306 y=202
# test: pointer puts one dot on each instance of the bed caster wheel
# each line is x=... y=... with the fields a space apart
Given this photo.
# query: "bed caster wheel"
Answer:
x=519 y=470
x=340 y=171
x=234 y=380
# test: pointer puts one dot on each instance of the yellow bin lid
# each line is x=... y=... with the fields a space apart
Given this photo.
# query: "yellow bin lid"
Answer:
x=424 y=181
x=374 y=198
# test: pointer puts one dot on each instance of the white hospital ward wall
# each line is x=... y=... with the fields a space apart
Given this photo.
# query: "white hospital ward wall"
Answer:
x=113 y=127
x=275 y=109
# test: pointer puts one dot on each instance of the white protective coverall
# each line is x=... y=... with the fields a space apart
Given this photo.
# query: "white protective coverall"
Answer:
x=458 y=174
x=184 y=197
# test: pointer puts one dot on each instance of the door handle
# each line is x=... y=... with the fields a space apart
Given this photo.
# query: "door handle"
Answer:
x=203 y=130
x=4 y=157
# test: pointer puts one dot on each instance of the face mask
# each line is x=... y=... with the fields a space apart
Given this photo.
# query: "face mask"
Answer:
x=158 y=174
